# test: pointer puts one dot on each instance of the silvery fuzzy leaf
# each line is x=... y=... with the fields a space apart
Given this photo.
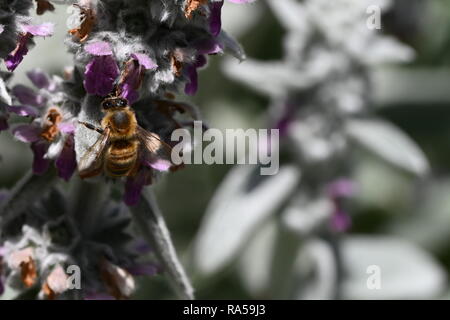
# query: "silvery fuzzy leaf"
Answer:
x=231 y=46
x=236 y=211
x=273 y=78
x=315 y=255
x=389 y=143
x=387 y=50
x=305 y=215
x=406 y=271
x=428 y=224
x=256 y=260
x=154 y=230
x=290 y=13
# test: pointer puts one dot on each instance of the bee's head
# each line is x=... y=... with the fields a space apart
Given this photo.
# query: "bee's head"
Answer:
x=114 y=103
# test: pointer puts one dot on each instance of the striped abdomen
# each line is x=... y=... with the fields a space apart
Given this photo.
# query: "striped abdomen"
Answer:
x=121 y=157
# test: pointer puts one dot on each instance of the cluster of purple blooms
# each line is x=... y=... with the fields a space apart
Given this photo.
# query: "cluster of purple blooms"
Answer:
x=141 y=50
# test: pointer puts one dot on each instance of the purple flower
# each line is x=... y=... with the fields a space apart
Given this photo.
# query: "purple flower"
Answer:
x=41 y=80
x=100 y=75
x=131 y=77
x=340 y=221
x=215 y=20
x=337 y=191
x=13 y=60
x=102 y=71
x=134 y=186
x=66 y=163
x=144 y=269
x=51 y=133
x=191 y=71
x=40 y=163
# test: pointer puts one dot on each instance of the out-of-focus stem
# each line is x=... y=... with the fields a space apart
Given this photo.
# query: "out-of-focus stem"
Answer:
x=150 y=221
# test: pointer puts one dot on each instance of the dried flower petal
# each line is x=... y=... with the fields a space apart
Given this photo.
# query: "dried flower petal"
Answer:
x=43 y=6
x=87 y=23
x=193 y=5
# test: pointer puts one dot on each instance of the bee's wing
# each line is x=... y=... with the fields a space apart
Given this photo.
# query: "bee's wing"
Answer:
x=155 y=151
x=91 y=162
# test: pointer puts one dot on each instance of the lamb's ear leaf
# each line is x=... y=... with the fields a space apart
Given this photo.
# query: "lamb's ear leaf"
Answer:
x=149 y=220
x=389 y=143
x=403 y=272
x=243 y=201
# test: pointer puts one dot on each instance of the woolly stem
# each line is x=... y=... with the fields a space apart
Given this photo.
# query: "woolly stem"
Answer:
x=149 y=219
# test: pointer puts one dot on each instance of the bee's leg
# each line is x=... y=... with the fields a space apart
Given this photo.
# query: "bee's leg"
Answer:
x=92 y=127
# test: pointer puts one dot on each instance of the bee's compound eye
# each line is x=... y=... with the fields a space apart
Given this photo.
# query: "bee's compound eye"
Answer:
x=107 y=104
x=122 y=103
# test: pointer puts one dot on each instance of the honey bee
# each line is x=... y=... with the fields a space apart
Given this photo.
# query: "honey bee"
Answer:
x=122 y=146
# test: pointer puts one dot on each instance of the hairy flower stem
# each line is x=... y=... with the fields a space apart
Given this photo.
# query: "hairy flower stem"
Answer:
x=149 y=219
x=86 y=199
x=26 y=191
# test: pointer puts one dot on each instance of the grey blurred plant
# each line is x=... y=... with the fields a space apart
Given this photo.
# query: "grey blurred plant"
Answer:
x=286 y=230
x=142 y=53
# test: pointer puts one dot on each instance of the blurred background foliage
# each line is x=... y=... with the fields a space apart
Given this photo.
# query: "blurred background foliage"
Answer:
x=415 y=97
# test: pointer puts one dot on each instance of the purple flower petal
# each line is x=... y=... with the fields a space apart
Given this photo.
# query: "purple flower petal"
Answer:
x=144 y=61
x=40 y=30
x=159 y=164
x=24 y=111
x=66 y=163
x=27 y=133
x=40 y=164
x=100 y=75
x=342 y=188
x=66 y=127
x=208 y=46
x=131 y=80
x=215 y=20
x=191 y=70
x=13 y=59
x=134 y=187
x=100 y=48
x=148 y=269
x=28 y=96
x=39 y=78
x=141 y=246
x=340 y=221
